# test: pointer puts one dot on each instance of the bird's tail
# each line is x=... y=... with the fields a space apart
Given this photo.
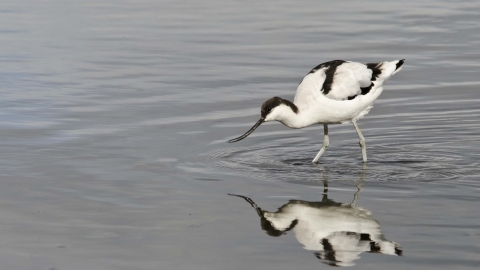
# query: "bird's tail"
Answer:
x=398 y=65
x=389 y=68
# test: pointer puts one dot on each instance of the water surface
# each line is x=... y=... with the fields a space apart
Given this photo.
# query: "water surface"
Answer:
x=115 y=117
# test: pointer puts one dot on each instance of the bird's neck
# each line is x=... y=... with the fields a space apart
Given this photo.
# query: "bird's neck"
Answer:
x=292 y=117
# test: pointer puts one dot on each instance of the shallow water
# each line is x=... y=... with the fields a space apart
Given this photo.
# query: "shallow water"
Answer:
x=115 y=117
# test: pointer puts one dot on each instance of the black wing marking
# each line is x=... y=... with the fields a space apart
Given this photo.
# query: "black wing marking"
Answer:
x=376 y=71
x=330 y=75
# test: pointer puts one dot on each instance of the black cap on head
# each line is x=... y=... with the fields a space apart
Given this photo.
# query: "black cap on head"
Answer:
x=268 y=227
x=268 y=105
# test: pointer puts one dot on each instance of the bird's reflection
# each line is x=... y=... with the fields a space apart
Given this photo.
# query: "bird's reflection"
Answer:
x=337 y=233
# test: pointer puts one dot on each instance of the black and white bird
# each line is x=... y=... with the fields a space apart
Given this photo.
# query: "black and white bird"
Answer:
x=334 y=92
x=336 y=233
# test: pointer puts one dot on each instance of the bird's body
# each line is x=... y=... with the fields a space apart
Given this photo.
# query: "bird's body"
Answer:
x=336 y=232
x=334 y=92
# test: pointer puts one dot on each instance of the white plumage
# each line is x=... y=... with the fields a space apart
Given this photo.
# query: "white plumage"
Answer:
x=336 y=232
x=349 y=78
x=334 y=92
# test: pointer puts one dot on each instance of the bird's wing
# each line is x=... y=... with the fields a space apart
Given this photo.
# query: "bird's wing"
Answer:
x=309 y=88
x=346 y=80
x=342 y=80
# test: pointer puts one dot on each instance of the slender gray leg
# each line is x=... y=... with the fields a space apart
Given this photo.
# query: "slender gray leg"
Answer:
x=325 y=145
x=355 y=196
x=363 y=145
x=359 y=185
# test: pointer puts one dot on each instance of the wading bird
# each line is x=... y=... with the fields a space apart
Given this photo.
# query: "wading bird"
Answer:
x=334 y=92
x=337 y=233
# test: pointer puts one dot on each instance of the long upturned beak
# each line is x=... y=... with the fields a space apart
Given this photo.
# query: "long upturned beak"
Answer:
x=259 y=122
x=259 y=210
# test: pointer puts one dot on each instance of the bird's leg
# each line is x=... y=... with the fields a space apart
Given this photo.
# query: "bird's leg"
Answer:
x=355 y=196
x=325 y=191
x=363 y=145
x=359 y=185
x=325 y=187
x=325 y=145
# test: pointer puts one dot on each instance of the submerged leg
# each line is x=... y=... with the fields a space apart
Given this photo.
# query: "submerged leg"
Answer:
x=325 y=191
x=325 y=145
x=359 y=184
x=363 y=145
x=355 y=196
x=325 y=187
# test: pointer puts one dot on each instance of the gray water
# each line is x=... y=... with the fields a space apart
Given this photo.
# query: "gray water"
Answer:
x=114 y=117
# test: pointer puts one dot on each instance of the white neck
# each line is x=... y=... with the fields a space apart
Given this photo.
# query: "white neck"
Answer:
x=288 y=117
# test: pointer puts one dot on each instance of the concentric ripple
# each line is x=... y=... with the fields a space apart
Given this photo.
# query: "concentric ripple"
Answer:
x=400 y=147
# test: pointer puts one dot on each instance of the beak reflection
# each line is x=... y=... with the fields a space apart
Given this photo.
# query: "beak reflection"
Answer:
x=336 y=233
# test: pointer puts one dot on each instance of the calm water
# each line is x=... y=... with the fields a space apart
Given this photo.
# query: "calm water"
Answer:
x=114 y=117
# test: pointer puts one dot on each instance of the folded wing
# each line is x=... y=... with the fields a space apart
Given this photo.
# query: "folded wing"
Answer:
x=343 y=80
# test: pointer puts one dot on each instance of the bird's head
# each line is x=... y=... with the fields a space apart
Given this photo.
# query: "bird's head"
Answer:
x=273 y=109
